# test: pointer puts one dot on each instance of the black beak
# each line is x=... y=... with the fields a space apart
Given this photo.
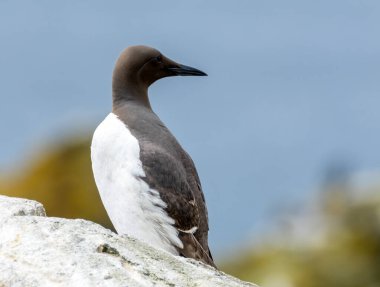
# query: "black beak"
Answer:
x=182 y=70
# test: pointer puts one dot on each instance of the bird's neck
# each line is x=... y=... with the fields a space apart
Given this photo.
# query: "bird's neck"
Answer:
x=126 y=92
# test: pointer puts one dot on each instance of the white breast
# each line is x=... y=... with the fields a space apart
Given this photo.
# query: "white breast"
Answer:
x=133 y=207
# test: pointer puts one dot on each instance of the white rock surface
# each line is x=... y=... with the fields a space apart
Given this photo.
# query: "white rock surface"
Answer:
x=12 y=206
x=44 y=251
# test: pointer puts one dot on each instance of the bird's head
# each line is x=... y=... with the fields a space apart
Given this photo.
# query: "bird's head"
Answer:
x=140 y=66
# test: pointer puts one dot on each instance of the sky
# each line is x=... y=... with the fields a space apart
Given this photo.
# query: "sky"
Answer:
x=293 y=88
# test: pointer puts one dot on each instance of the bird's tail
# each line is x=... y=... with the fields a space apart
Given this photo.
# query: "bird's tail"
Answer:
x=193 y=249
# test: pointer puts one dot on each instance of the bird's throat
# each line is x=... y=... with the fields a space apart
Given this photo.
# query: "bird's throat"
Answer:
x=137 y=94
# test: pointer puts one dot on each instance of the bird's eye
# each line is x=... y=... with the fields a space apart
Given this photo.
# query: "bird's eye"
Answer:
x=159 y=59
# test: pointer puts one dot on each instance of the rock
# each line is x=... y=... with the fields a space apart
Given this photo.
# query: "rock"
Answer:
x=12 y=206
x=44 y=251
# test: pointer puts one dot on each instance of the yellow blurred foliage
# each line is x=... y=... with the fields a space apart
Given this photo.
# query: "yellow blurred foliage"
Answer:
x=335 y=242
x=60 y=177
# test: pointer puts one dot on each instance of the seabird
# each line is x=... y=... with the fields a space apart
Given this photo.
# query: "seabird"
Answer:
x=147 y=181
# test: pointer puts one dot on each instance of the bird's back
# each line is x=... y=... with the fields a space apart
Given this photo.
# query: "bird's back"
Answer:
x=167 y=169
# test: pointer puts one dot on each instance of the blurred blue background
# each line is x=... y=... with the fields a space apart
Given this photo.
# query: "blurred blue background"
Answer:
x=293 y=86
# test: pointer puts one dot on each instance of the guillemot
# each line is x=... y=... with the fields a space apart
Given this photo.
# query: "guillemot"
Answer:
x=147 y=181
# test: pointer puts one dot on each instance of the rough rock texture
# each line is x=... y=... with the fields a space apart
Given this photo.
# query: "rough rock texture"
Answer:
x=12 y=206
x=44 y=251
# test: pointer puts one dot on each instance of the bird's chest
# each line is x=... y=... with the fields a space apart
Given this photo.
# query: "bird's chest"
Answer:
x=133 y=207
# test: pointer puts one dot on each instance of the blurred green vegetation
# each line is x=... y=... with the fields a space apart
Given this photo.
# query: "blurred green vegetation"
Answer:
x=332 y=241
x=60 y=177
